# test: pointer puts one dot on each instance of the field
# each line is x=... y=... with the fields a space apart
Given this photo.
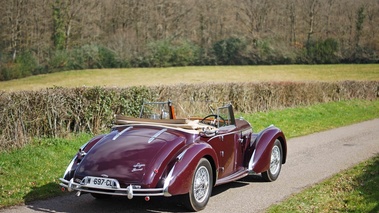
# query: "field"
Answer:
x=195 y=75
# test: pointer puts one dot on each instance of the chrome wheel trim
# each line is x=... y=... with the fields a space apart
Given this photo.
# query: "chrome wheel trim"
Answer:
x=201 y=184
x=275 y=160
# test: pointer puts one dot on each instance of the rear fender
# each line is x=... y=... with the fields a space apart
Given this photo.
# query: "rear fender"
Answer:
x=87 y=146
x=260 y=160
x=179 y=180
x=68 y=174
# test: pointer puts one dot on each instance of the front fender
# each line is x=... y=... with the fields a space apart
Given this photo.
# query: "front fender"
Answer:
x=260 y=160
x=180 y=178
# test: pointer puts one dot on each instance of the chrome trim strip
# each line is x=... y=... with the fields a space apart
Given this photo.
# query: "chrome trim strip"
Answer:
x=122 y=132
x=229 y=133
x=180 y=156
x=167 y=183
x=169 y=176
x=251 y=164
x=156 y=135
x=70 y=166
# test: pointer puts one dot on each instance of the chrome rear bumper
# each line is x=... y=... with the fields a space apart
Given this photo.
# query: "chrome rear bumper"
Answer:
x=130 y=191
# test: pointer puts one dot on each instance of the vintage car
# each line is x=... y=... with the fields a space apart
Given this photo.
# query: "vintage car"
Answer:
x=159 y=154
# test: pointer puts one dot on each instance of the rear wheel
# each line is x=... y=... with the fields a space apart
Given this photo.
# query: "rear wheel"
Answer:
x=201 y=188
x=275 y=163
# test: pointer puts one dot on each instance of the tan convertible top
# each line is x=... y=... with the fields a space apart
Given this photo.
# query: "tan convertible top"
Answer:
x=178 y=123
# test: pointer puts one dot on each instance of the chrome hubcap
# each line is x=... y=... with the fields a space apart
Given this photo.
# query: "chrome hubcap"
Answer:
x=201 y=184
x=275 y=160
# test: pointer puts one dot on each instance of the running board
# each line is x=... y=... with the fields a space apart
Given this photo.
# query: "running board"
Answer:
x=233 y=177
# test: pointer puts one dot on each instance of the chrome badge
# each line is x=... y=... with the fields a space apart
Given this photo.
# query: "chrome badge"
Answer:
x=138 y=167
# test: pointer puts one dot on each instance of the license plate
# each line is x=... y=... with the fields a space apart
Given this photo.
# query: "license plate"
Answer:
x=99 y=182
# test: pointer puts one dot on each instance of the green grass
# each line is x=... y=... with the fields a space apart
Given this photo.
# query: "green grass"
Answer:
x=32 y=173
x=191 y=75
x=353 y=190
x=306 y=120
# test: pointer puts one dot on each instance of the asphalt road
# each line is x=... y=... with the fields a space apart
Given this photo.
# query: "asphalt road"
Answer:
x=311 y=159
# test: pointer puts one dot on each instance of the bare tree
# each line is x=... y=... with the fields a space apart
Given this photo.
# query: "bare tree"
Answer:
x=372 y=12
x=14 y=23
x=292 y=13
x=206 y=20
x=72 y=18
x=328 y=9
x=39 y=28
x=254 y=15
x=128 y=26
x=311 y=8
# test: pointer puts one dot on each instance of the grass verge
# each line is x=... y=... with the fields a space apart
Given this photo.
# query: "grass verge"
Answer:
x=353 y=190
x=306 y=120
x=32 y=173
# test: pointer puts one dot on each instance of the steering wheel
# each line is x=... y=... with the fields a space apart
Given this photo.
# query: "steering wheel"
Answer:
x=213 y=115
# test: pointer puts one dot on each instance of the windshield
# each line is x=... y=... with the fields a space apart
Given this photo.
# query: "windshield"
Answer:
x=156 y=110
x=225 y=115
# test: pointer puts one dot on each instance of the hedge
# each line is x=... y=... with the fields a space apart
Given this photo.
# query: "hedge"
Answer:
x=58 y=112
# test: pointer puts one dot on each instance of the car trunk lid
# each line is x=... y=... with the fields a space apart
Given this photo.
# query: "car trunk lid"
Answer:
x=131 y=155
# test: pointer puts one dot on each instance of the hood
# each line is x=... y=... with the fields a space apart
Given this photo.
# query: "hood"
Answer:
x=133 y=155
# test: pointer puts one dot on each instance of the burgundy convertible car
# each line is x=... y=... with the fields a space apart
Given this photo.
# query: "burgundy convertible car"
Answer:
x=158 y=154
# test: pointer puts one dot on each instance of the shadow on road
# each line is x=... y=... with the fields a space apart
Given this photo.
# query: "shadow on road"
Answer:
x=42 y=192
x=236 y=184
x=86 y=203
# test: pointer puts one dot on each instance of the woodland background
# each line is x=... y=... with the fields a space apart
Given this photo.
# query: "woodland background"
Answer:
x=44 y=36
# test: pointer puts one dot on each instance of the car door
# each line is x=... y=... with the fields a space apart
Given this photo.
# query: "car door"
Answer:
x=230 y=145
x=229 y=142
x=241 y=139
x=224 y=145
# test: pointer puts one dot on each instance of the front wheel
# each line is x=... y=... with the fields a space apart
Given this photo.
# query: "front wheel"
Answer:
x=201 y=188
x=275 y=162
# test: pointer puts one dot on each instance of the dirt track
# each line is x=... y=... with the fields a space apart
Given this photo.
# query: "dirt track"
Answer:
x=311 y=159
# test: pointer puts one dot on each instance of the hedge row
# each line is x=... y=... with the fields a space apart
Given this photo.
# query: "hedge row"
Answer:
x=57 y=112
